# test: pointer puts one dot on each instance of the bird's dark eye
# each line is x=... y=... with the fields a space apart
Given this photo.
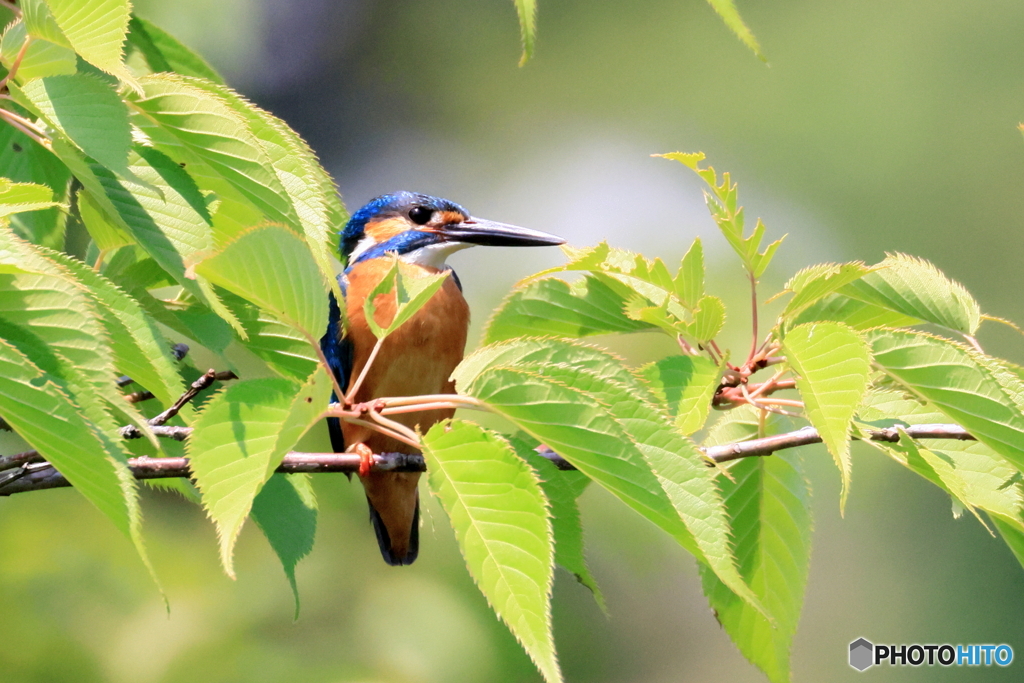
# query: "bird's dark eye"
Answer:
x=420 y=215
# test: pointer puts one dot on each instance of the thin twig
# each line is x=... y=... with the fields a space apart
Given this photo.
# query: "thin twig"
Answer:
x=204 y=382
x=25 y=127
x=753 y=306
x=809 y=435
x=9 y=462
x=17 y=62
x=9 y=4
x=350 y=396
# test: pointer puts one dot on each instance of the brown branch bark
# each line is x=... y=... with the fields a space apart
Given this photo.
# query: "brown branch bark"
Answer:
x=35 y=476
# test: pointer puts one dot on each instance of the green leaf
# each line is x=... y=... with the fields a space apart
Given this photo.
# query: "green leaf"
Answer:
x=303 y=179
x=957 y=381
x=812 y=284
x=35 y=405
x=160 y=206
x=43 y=297
x=404 y=295
x=689 y=281
x=769 y=507
x=527 y=11
x=833 y=363
x=24 y=160
x=40 y=23
x=88 y=112
x=283 y=348
x=96 y=30
x=271 y=266
x=722 y=201
x=103 y=230
x=22 y=197
x=608 y=426
x=686 y=385
x=708 y=319
x=1012 y=534
x=192 y=124
x=285 y=511
x=139 y=348
x=731 y=16
x=915 y=288
x=500 y=518
x=562 y=489
x=552 y=307
x=968 y=469
x=42 y=58
x=857 y=314
x=164 y=52
x=240 y=438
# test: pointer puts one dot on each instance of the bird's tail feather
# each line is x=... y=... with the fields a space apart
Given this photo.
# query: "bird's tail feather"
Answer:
x=384 y=540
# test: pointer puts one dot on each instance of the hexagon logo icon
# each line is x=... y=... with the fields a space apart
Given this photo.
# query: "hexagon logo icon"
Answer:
x=861 y=654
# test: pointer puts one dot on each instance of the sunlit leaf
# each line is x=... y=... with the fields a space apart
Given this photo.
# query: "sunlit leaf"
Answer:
x=96 y=29
x=187 y=122
x=527 y=11
x=812 y=284
x=403 y=295
x=160 y=206
x=852 y=312
x=722 y=200
x=958 y=382
x=300 y=174
x=689 y=281
x=104 y=231
x=42 y=58
x=731 y=16
x=686 y=385
x=271 y=266
x=608 y=426
x=832 y=362
x=239 y=439
x=552 y=307
x=24 y=160
x=138 y=347
x=770 y=510
x=915 y=288
x=88 y=112
x=40 y=22
x=42 y=414
x=979 y=476
x=22 y=197
x=500 y=518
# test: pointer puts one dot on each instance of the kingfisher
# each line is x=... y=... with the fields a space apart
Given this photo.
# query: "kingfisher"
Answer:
x=419 y=357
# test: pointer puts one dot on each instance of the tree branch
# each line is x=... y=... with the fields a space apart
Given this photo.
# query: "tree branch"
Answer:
x=27 y=475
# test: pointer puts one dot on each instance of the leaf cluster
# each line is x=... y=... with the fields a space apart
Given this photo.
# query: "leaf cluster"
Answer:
x=211 y=222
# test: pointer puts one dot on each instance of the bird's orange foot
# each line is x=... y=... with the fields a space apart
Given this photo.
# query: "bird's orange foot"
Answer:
x=365 y=458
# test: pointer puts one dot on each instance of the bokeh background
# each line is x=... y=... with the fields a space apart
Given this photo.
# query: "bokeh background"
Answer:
x=880 y=125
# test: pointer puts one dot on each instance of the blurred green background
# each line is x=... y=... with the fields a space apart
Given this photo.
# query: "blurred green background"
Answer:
x=880 y=125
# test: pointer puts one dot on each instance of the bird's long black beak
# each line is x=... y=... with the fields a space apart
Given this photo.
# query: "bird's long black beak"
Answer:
x=494 y=234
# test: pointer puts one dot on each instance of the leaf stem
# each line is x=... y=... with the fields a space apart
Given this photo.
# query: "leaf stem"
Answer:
x=363 y=372
x=753 y=316
x=17 y=62
x=26 y=127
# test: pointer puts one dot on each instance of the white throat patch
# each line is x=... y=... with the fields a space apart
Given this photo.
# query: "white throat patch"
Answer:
x=433 y=255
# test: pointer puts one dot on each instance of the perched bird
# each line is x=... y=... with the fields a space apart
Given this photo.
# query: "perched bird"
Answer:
x=419 y=357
